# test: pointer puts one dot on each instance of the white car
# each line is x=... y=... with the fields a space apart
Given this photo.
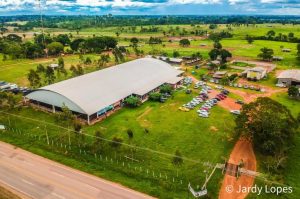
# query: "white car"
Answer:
x=203 y=115
x=281 y=85
x=236 y=112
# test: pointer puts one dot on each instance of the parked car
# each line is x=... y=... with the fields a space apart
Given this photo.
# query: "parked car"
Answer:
x=239 y=102
x=236 y=112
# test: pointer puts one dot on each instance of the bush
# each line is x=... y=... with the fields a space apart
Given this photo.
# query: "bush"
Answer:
x=130 y=133
x=116 y=142
x=166 y=89
x=154 y=96
x=132 y=101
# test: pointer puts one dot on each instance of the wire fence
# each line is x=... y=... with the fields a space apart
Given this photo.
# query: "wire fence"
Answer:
x=103 y=154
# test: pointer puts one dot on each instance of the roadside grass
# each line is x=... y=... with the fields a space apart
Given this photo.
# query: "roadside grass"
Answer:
x=168 y=129
x=6 y=194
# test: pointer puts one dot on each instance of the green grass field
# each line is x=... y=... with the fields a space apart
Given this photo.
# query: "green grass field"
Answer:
x=168 y=129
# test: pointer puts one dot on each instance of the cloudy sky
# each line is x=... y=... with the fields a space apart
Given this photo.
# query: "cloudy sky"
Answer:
x=151 y=7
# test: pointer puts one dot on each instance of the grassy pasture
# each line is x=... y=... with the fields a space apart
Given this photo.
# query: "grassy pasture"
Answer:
x=168 y=129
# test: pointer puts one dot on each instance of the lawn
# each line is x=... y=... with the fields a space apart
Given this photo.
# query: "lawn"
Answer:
x=168 y=129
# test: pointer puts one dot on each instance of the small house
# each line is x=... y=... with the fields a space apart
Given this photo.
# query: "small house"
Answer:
x=256 y=73
x=289 y=78
x=219 y=75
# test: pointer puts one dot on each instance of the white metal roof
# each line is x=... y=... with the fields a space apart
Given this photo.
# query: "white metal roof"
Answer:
x=94 y=91
x=290 y=74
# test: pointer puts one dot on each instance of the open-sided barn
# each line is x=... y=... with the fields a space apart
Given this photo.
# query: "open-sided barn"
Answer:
x=96 y=95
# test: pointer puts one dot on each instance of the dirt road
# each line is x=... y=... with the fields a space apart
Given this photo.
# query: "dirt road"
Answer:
x=37 y=177
x=242 y=151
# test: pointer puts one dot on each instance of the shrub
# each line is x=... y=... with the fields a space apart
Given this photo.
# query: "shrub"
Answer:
x=132 y=101
x=155 y=96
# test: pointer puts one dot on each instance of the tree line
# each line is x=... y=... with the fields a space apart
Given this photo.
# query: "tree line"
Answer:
x=15 y=47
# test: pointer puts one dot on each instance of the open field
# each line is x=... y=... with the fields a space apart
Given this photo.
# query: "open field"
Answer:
x=200 y=140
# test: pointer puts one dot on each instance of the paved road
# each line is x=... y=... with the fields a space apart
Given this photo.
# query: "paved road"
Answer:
x=41 y=178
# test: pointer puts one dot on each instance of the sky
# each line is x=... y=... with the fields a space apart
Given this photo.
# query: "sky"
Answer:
x=151 y=7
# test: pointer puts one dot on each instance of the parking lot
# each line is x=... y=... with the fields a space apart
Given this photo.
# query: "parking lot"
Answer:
x=208 y=98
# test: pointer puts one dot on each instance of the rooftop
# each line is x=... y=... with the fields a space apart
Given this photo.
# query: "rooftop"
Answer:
x=94 y=91
x=292 y=74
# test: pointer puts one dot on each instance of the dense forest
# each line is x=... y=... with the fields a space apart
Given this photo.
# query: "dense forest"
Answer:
x=78 y=22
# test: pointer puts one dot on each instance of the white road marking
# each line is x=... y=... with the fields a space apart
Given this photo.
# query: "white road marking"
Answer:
x=27 y=182
x=58 y=196
x=15 y=188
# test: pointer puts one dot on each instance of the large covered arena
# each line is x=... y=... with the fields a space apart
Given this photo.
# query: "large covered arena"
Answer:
x=94 y=96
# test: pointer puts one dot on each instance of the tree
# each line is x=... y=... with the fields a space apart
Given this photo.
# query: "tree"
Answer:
x=40 y=68
x=224 y=55
x=213 y=54
x=134 y=41
x=87 y=61
x=55 y=48
x=268 y=124
x=177 y=159
x=184 y=43
x=32 y=50
x=34 y=78
x=293 y=91
x=166 y=88
x=77 y=127
x=116 y=142
x=132 y=101
x=14 y=38
x=217 y=45
x=266 y=54
x=63 y=39
x=176 y=54
x=271 y=33
x=75 y=44
x=249 y=39
x=61 y=66
x=49 y=75
x=130 y=133
x=155 y=96
x=119 y=57
x=103 y=60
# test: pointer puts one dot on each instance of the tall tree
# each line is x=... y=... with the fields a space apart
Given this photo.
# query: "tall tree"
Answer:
x=266 y=54
x=268 y=124
x=34 y=78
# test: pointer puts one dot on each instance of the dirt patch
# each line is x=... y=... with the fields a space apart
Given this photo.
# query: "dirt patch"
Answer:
x=242 y=151
x=250 y=97
x=213 y=128
x=148 y=109
x=228 y=103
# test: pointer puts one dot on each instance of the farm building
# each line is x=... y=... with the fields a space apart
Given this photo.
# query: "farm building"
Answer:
x=289 y=78
x=286 y=50
x=219 y=75
x=94 y=96
x=256 y=73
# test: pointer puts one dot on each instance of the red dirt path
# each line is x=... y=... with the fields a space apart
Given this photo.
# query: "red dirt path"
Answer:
x=242 y=151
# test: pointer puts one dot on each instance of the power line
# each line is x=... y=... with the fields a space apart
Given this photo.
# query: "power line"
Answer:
x=111 y=141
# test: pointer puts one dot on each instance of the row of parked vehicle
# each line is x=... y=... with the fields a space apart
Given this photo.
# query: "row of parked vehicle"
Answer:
x=245 y=86
x=187 y=80
x=14 y=88
x=204 y=111
x=203 y=96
